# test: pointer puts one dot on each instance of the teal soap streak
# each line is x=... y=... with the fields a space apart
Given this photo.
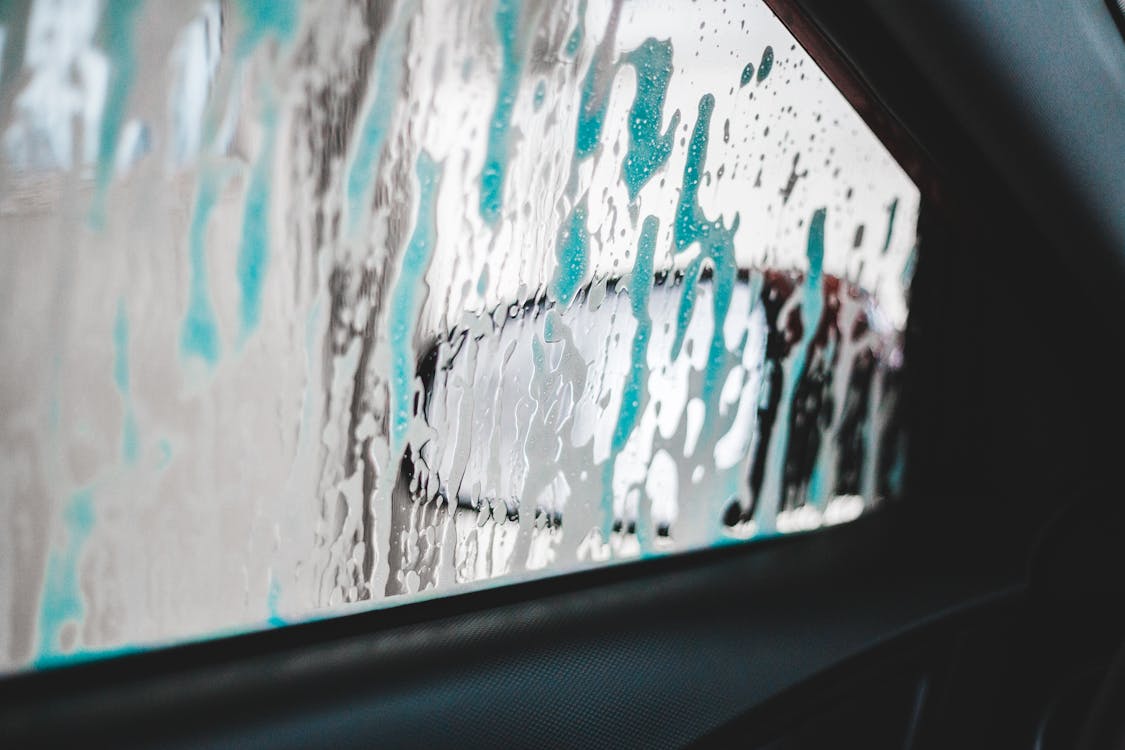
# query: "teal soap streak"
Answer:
x=117 y=26
x=540 y=95
x=496 y=156
x=574 y=41
x=766 y=65
x=747 y=75
x=121 y=380
x=570 y=252
x=812 y=306
x=10 y=55
x=816 y=482
x=376 y=122
x=591 y=114
x=199 y=335
x=812 y=296
x=48 y=661
x=891 y=211
x=254 y=248
x=264 y=18
x=61 y=601
x=690 y=224
x=594 y=98
x=273 y=598
x=687 y=304
x=815 y=249
x=648 y=148
x=717 y=245
x=405 y=302
x=640 y=287
x=723 y=277
x=633 y=391
x=121 y=349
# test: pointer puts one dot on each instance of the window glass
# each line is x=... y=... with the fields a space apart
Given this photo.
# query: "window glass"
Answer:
x=309 y=307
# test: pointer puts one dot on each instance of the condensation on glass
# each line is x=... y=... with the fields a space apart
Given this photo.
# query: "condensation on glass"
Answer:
x=310 y=307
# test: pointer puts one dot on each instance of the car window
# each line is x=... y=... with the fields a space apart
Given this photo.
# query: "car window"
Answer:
x=317 y=307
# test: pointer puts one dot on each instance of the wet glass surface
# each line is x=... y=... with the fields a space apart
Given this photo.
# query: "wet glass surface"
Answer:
x=309 y=307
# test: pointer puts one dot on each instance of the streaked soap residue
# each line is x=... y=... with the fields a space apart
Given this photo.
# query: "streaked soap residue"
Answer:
x=61 y=605
x=317 y=306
